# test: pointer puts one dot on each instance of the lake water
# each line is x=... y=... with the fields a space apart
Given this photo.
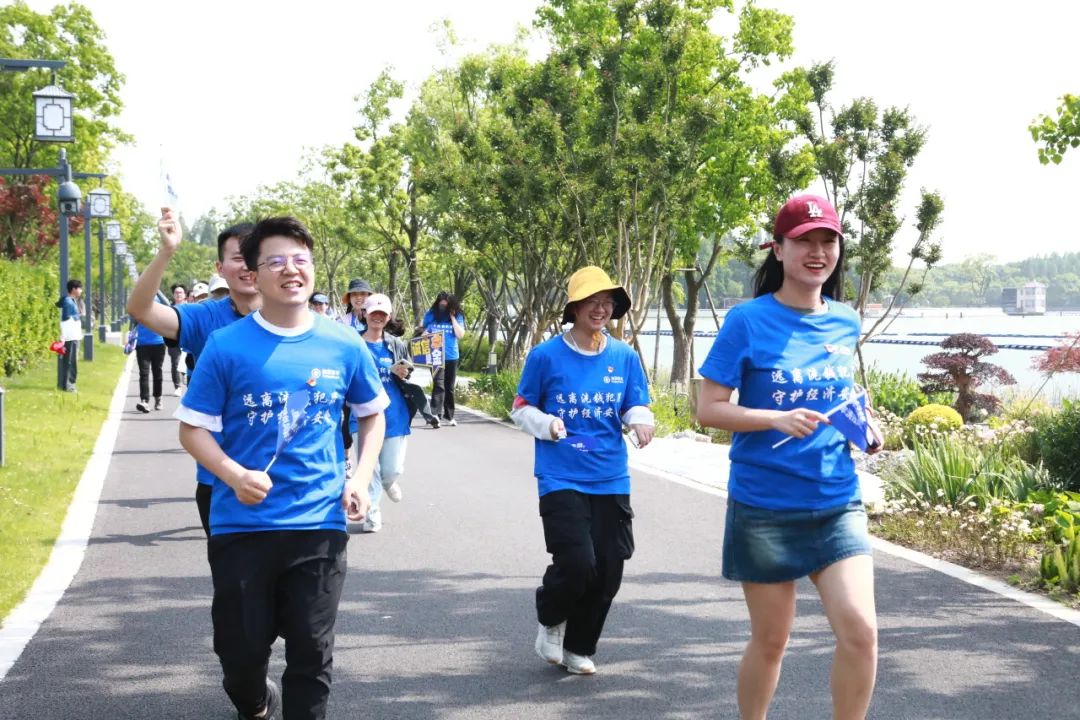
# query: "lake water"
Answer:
x=942 y=321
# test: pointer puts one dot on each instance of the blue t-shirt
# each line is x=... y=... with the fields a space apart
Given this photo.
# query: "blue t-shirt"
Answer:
x=197 y=322
x=250 y=377
x=781 y=359
x=430 y=325
x=397 y=415
x=146 y=337
x=69 y=309
x=590 y=393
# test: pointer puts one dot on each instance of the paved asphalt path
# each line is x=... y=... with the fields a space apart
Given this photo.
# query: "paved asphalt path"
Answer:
x=437 y=621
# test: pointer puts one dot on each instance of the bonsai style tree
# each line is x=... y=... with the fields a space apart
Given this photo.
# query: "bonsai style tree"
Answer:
x=960 y=369
x=1063 y=358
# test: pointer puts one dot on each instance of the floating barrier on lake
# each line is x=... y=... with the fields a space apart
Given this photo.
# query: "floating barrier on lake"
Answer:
x=903 y=339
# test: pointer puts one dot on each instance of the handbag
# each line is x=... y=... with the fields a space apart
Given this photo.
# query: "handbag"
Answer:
x=71 y=330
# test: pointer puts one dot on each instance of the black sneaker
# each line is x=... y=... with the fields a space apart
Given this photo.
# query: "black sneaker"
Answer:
x=143 y=406
x=273 y=704
x=434 y=423
x=157 y=403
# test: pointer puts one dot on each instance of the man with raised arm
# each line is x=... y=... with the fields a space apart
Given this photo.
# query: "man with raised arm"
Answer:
x=189 y=325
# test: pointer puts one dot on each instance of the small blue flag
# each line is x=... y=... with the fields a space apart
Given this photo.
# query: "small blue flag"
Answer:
x=851 y=420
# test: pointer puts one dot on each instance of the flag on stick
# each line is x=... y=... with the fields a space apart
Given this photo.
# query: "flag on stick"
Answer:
x=851 y=420
x=290 y=420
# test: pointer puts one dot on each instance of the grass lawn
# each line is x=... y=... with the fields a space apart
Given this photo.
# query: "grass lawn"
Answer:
x=48 y=438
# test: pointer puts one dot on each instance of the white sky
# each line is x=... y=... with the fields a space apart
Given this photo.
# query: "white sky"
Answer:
x=232 y=92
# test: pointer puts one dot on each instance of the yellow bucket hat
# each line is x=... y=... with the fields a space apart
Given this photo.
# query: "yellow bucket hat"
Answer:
x=588 y=281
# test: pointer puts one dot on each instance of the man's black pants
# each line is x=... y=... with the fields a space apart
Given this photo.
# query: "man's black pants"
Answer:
x=174 y=364
x=589 y=538
x=150 y=358
x=71 y=364
x=203 y=493
x=266 y=584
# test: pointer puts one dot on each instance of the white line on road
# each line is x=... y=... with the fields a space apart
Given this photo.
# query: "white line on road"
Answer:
x=70 y=548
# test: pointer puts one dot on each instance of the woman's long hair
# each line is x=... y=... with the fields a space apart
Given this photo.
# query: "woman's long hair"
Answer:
x=453 y=307
x=770 y=276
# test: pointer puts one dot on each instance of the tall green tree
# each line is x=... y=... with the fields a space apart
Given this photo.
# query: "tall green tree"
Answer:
x=382 y=174
x=863 y=155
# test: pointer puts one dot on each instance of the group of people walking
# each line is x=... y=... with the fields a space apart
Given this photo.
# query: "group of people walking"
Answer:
x=263 y=415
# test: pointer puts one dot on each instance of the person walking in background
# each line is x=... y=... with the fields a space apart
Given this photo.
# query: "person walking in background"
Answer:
x=576 y=392
x=794 y=508
x=392 y=361
x=179 y=297
x=353 y=299
x=219 y=288
x=200 y=291
x=150 y=355
x=319 y=303
x=69 y=310
x=262 y=414
x=445 y=316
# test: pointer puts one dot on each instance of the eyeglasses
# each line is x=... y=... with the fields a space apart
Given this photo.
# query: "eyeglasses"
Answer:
x=277 y=263
x=605 y=304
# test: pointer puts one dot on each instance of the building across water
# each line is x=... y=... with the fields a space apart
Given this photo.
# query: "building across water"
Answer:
x=1027 y=300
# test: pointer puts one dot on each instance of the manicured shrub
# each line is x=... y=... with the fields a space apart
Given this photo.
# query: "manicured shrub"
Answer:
x=29 y=318
x=1058 y=438
x=942 y=416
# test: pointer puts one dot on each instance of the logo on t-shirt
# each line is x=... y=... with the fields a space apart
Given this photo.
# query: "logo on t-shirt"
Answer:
x=328 y=373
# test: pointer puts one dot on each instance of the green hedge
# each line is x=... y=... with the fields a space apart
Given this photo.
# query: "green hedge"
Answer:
x=29 y=318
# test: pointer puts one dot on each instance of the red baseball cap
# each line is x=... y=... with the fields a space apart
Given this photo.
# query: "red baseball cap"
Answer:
x=804 y=213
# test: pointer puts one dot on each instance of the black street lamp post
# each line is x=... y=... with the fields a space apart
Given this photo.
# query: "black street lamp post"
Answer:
x=97 y=206
x=112 y=234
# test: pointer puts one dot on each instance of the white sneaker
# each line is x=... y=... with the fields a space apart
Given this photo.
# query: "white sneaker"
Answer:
x=178 y=391
x=577 y=664
x=394 y=492
x=450 y=423
x=549 y=642
x=370 y=526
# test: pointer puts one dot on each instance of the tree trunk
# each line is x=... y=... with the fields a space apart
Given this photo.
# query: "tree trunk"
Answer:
x=680 y=355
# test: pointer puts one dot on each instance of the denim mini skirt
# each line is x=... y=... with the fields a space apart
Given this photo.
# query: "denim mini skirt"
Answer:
x=772 y=546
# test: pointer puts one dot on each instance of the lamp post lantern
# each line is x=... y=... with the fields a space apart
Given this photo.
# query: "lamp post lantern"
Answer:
x=53 y=114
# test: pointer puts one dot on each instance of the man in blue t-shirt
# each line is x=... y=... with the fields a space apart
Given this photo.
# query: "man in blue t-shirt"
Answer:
x=69 y=310
x=262 y=415
x=150 y=354
x=189 y=324
x=445 y=316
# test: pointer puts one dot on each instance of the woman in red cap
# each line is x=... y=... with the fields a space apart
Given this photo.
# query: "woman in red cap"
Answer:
x=794 y=507
x=576 y=392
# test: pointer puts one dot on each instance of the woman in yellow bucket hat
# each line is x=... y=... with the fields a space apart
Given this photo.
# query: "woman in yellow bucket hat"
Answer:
x=576 y=392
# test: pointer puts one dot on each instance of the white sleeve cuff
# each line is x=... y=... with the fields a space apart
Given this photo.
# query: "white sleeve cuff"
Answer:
x=533 y=420
x=193 y=417
x=371 y=407
x=639 y=415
